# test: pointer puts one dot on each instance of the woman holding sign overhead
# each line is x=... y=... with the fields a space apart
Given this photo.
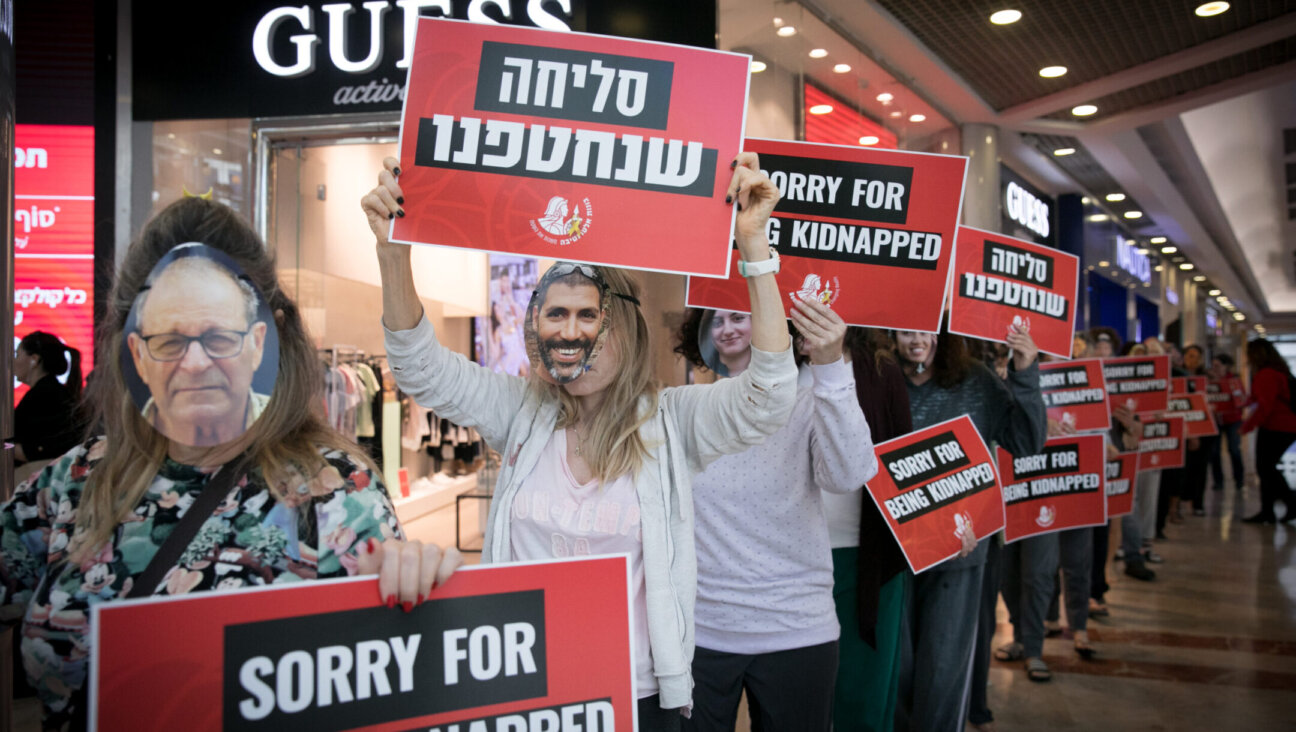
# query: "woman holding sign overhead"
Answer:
x=590 y=428
x=945 y=382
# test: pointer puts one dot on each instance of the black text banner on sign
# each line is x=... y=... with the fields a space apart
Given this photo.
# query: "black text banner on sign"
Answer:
x=1121 y=473
x=1161 y=445
x=1001 y=281
x=1075 y=394
x=868 y=232
x=508 y=643
x=1138 y=383
x=571 y=146
x=1196 y=413
x=1058 y=488
x=933 y=486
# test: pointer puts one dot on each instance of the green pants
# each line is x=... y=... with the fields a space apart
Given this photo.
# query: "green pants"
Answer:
x=867 y=678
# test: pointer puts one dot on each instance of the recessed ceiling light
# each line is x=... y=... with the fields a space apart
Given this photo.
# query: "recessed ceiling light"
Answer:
x=917 y=118
x=787 y=30
x=1144 y=250
x=1098 y=217
x=1239 y=317
x=1085 y=201
x=1053 y=72
x=1104 y=264
x=1213 y=293
x=1133 y=214
x=1084 y=110
x=757 y=67
x=1199 y=278
x=1006 y=17
x=818 y=52
x=170 y=135
x=216 y=151
x=1064 y=151
x=1158 y=268
x=821 y=109
x=868 y=140
x=778 y=22
x=1186 y=266
x=885 y=97
x=1158 y=240
x=841 y=69
x=897 y=113
x=1168 y=250
x=1115 y=197
x=1206 y=10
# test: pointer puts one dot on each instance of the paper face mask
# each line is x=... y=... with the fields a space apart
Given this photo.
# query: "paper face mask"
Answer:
x=566 y=322
x=200 y=351
x=724 y=338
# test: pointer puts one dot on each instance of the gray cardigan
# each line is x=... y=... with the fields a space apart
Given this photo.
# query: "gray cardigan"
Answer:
x=693 y=426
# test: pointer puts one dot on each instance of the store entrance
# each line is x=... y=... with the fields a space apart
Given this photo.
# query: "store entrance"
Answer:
x=312 y=180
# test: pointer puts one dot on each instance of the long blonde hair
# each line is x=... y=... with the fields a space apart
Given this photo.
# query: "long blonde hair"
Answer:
x=285 y=440
x=615 y=447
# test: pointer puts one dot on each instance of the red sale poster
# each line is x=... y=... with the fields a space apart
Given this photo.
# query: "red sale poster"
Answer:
x=1075 y=394
x=570 y=146
x=1120 y=484
x=1059 y=488
x=497 y=647
x=54 y=237
x=1000 y=281
x=1162 y=444
x=932 y=486
x=1196 y=413
x=1139 y=383
x=1187 y=384
x=869 y=232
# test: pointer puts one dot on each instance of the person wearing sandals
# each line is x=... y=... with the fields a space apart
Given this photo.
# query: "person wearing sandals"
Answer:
x=940 y=626
x=765 y=620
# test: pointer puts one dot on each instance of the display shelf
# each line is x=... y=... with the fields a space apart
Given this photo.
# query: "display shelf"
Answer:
x=443 y=493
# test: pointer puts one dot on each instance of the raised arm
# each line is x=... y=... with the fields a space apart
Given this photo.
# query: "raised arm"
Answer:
x=755 y=197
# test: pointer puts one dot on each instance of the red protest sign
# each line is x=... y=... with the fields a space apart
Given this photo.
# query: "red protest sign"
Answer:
x=867 y=231
x=1139 y=383
x=1198 y=420
x=570 y=146
x=1000 y=281
x=1058 y=488
x=1187 y=384
x=1162 y=443
x=1120 y=484
x=933 y=485
x=506 y=645
x=1075 y=394
x=1225 y=395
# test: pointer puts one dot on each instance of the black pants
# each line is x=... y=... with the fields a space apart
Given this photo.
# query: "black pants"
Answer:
x=1270 y=446
x=1196 y=465
x=1232 y=440
x=1098 y=574
x=652 y=718
x=787 y=691
x=979 y=711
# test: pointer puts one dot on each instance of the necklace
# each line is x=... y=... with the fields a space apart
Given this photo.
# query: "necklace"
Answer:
x=580 y=439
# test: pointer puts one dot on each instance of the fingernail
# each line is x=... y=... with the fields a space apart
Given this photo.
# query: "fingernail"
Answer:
x=391 y=601
x=733 y=164
x=740 y=207
x=396 y=171
x=401 y=213
x=391 y=215
x=373 y=545
x=407 y=606
x=728 y=199
x=420 y=599
x=401 y=200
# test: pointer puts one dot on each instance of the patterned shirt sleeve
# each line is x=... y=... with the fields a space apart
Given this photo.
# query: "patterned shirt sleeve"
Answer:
x=356 y=510
x=26 y=524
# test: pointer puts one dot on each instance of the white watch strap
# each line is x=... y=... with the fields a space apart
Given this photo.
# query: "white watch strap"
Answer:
x=756 y=269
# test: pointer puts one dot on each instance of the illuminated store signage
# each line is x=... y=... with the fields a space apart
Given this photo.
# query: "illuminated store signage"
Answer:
x=1027 y=211
x=1131 y=260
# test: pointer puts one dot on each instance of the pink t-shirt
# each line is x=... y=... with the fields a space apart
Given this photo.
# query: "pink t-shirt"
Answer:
x=555 y=517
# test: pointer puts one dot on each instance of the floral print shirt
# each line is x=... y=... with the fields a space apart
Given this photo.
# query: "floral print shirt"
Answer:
x=251 y=540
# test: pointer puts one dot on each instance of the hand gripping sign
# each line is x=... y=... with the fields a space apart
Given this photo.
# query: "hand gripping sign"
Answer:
x=1058 y=488
x=1196 y=413
x=869 y=232
x=1000 y=281
x=570 y=146
x=1075 y=394
x=1139 y=383
x=499 y=648
x=1161 y=445
x=1120 y=484
x=933 y=485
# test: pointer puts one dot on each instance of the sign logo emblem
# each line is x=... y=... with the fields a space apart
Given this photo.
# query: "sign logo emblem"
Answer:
x=1046 y=517
x=563 y=224
x=824 y=289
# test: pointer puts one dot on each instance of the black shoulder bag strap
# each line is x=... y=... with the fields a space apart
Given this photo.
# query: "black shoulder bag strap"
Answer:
x=211 y=495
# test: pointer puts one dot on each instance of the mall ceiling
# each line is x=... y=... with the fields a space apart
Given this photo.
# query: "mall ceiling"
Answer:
x=1189 y=124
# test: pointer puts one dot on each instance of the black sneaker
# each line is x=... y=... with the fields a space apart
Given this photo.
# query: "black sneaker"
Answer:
x=1140 y=572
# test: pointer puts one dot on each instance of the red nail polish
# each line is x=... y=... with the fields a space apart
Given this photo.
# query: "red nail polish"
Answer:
x=391 y=601
x=407 y=606
x=420 y=599
x=373 y=545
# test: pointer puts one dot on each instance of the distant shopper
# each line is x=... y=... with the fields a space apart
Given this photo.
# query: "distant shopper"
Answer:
x=1228 y=415
x=1272 y=397
x=46 y=421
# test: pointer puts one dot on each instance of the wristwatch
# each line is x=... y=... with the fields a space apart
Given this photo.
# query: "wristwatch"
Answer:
x=756 y=269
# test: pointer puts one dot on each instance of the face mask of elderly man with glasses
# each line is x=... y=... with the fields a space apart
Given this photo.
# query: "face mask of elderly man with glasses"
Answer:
x=197 y=345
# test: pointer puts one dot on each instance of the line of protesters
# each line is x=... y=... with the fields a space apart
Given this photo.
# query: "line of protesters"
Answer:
x=757 y=565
